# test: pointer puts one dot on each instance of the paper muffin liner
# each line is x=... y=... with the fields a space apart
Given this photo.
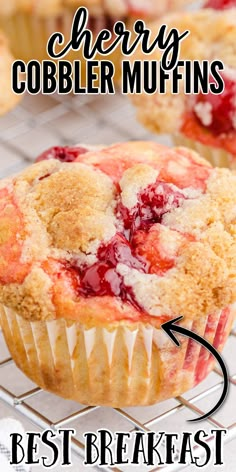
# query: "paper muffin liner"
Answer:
x=216 y=156
x=29 y=34
x=124 y=365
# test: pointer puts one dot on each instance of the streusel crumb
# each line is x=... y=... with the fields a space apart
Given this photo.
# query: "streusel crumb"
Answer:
x=134 y=231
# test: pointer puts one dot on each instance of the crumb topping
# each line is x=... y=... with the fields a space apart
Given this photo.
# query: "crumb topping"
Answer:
x=85 y=199
x=148 y=242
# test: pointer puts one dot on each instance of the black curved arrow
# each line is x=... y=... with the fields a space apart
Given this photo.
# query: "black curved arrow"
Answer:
x=170 y=326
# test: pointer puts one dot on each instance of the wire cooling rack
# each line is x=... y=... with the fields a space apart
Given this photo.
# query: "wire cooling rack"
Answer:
x=40 y=122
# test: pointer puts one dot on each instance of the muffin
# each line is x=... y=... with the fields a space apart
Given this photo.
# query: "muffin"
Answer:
x=204 y=122
x=30 y=23
x=7 y=98
x=100 y=247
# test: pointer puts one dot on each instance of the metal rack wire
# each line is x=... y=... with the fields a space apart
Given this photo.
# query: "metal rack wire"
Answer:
x=20 y=403
x=36 y=124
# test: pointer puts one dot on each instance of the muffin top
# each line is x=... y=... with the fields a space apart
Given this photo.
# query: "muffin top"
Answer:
x=118 y=8
x=7 y=98
x=133 y=231
x=209 y=117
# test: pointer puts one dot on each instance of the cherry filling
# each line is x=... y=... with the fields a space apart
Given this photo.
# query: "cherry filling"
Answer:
x=102 y=278
x=63 y=154
x=220 y=4
x=218 y=112
x=156 y=200
x=119 y=250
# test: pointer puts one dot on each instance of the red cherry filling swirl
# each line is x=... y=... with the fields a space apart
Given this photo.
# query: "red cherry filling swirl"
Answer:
x=220 y=4
x=156 y=200
x=102 y=278
x=221 y=108
x=62 y=153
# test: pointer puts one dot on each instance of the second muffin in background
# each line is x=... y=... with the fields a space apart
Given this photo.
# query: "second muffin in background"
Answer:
x=29 y=24
x=204 y=122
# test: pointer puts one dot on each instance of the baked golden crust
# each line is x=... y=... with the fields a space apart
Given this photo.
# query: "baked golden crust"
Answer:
x=85 y=200
x=7 y=98
x=56 y=218
x=118 y=8
x=212 y=36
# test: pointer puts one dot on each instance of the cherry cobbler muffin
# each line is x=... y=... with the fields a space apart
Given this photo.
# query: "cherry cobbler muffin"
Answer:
x=100 y=247
x=204 y=122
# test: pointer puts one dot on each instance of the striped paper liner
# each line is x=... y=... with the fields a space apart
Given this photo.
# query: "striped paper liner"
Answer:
x=126 y=364
x=216 y=156
x=29 y=34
